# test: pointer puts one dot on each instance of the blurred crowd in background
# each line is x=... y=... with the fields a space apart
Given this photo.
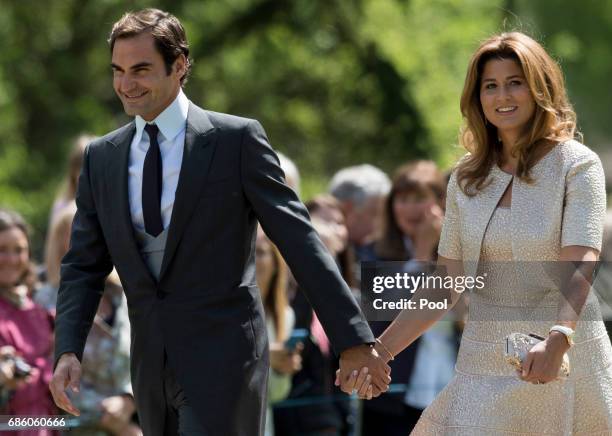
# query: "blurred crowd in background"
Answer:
x=365 y=215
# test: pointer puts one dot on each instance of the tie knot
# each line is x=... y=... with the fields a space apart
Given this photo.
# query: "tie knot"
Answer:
x=152 y=131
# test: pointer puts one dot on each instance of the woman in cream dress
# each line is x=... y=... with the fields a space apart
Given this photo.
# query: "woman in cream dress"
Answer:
x=526 y=197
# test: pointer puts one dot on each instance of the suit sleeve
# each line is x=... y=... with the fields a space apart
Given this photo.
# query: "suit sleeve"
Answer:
x=83 y=272
x=285 y=220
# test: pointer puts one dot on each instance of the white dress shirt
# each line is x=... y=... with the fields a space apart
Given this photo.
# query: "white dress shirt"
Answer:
x=172 y=123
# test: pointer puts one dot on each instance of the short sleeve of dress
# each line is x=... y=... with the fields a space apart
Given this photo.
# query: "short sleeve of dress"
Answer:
x=450 y=238
x=584 y=207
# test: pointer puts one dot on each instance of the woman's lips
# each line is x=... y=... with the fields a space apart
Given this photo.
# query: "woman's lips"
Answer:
x=506 y=110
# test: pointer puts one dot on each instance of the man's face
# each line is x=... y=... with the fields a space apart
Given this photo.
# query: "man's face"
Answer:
x=362 y=222
x=140 y=78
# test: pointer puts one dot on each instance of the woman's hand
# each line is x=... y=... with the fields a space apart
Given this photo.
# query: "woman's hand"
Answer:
x=7 y=369
x=428 y=231
x=544 y=360
x=284 y=361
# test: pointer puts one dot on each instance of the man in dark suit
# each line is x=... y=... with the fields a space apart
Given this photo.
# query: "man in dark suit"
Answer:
x=172 y=200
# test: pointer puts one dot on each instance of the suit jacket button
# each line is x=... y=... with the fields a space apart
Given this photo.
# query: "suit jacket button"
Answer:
x=161 y=294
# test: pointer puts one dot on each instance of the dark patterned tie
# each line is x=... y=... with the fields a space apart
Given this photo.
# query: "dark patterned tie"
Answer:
x=152 y=184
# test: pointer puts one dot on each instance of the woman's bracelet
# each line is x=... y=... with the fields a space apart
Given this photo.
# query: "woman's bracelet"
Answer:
x=378 y=341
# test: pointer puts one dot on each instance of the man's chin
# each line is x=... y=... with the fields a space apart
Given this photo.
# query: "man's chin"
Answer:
x=132 y=110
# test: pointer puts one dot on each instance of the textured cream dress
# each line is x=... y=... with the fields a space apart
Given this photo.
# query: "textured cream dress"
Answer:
x=510 y=246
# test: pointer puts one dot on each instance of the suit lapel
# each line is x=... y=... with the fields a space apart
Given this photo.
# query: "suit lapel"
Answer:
x=198 y=152
x=117 y=177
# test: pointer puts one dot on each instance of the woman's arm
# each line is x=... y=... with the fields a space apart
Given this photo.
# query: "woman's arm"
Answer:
x=576 y=267
x=574 y=294
x=581 y=236
x=412 y=323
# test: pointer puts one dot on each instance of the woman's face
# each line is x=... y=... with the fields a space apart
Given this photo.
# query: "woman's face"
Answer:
x=14 y=256
x=264 y=263
x=335 y=219
x=505 y=96
x=409 y=209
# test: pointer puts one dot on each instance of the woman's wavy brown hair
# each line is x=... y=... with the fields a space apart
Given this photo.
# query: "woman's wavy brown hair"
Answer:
x=554 y=119
x=275 y=303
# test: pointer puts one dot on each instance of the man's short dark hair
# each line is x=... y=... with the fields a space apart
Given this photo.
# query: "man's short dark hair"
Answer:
x=166 y=29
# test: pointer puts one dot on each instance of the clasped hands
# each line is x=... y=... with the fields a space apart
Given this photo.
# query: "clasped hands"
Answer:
x=363 y=370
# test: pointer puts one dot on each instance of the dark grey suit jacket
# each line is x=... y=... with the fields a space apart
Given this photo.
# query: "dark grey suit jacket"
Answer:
x=205 y=312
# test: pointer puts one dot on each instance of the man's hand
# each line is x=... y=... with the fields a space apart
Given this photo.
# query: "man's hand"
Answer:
x=67 y=373
x=360 y=367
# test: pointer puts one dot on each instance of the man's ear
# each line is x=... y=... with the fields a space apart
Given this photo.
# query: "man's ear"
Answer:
x=180 y=65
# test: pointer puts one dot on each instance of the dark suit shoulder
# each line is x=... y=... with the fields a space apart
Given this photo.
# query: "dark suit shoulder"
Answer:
x=226 y=121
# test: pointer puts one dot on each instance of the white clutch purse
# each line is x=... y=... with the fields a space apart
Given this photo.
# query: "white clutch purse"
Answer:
x=519 y=344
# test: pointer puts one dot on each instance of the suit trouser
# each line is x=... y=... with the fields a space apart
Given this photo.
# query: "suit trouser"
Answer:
x=179 y=413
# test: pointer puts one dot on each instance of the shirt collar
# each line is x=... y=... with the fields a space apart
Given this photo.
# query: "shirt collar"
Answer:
x=170 y=122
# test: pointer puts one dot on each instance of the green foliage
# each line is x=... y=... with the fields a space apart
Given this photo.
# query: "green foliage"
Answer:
x=578 y=34
x=334 y=82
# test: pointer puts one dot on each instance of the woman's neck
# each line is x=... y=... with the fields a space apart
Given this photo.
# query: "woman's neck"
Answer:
x=509 y=162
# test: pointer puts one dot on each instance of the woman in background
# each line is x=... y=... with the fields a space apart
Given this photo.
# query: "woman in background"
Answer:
x=414 y=210
x=58 y=241
x=26 y=330
x=327 y=209
x=67 y=191
x=272 y=282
